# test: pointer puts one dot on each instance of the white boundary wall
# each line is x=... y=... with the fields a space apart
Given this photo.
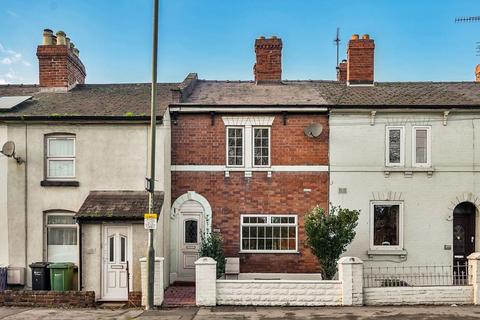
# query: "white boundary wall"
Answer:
x=345 y=291
x=279 y=292
x=418 y=295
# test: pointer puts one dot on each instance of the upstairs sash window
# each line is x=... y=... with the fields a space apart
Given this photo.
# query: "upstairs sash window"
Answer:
x=395 y=146
x=60 y=157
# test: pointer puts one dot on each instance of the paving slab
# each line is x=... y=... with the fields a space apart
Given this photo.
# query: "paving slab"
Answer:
x=62 y=314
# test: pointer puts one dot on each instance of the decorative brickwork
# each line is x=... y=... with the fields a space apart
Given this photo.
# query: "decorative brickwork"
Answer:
x=360 y=61
x=195 y=141
x=27 y=298
x=59 y=67
x=269 y=60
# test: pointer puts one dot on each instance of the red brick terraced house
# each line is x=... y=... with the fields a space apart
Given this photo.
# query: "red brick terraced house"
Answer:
x=245 y=163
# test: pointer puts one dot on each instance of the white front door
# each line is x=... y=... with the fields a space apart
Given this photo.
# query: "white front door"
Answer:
x=115 y=263
x=191 y=226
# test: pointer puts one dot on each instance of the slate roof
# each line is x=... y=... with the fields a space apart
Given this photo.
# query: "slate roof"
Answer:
x=333 y=93
x=97 y=100
x=117 y=205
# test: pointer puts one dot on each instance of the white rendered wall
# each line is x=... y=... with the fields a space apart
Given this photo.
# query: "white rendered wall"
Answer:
x=357 y=162
x=3 y=200
x=418 y=295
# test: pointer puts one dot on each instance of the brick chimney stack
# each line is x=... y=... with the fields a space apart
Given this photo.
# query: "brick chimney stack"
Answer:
x=477 y=73
x=60 y=68
x=342 y=71
x=360 y=60
x=268 y=68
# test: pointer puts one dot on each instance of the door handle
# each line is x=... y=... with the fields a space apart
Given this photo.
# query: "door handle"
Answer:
x=472 y=239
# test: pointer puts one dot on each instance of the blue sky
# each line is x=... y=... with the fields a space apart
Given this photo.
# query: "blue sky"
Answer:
x=415 y=40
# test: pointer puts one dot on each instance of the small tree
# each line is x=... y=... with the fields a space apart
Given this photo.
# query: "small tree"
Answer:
x=212 y=246
x=328 y=235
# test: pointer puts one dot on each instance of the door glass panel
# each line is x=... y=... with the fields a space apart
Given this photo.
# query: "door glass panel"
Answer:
x=458 y=239
x=111 y=249
x=123 y=249
x=191 y=231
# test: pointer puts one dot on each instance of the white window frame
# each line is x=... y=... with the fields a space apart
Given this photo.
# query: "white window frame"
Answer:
x=49 y=158
x=269 y=147
x=269 y=223
x=243 y=146
x=72 y=226
x=400 y=226
x=414 y=147
x=402 y=146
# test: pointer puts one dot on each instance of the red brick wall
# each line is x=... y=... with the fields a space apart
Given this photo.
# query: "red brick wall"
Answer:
x=360 y=61
x=27 y=298
x=196 y=141
x=59 y=66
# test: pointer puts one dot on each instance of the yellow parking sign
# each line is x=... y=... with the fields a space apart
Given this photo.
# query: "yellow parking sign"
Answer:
x=150 y=221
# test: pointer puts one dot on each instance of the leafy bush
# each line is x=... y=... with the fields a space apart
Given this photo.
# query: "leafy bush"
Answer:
x=328 y=235
x=212 y=246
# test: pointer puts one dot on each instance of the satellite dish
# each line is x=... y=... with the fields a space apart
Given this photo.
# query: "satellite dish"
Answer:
x=8 y=149
x=314 y=130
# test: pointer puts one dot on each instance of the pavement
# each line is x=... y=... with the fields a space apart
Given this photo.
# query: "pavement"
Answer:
x=246 y=313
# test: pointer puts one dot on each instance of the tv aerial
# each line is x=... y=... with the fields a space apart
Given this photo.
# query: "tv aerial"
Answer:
x=8 y=150
x=314 y=130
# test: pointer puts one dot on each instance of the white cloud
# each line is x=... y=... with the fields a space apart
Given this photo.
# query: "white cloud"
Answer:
x=11 y=57
x=3 y=81
x=6 y=61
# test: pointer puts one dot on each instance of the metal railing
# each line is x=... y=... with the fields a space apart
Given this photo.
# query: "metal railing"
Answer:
x=415 y=276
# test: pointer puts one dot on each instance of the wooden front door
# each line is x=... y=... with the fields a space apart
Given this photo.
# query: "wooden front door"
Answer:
x=463 y=232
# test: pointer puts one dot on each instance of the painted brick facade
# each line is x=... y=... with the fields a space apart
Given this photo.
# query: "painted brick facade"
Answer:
x=195 y=141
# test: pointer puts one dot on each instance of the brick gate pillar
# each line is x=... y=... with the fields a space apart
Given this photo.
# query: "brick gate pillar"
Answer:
x=206 y=282
x=474 y=275
x=350 y=272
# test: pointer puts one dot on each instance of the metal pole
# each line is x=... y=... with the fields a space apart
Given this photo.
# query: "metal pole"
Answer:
x=153 y=129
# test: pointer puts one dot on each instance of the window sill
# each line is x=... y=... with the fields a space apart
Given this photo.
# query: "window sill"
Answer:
x=408 y=171
x=269 y=252
x=60 y=183
x=402 y=253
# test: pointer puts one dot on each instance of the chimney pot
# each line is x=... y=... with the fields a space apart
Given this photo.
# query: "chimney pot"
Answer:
x=47 y=37
x=67 y=42
x=61 y=41
x=477 y=73
x=355 y=37
x=77 y=52
x=366 y=37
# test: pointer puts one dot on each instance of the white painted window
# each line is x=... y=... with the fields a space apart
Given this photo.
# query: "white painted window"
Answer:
x=386 y=225
x=261 y=146
x=61 y=234
x=60 y=157
x=395 y=146
x=421 y=146
x=235 y=146
x=268 y=233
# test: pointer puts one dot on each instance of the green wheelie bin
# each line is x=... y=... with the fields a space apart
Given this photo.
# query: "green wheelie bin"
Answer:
x=61 y=276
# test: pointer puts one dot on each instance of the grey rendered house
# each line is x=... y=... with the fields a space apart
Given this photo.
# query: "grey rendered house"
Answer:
x=78 y=195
